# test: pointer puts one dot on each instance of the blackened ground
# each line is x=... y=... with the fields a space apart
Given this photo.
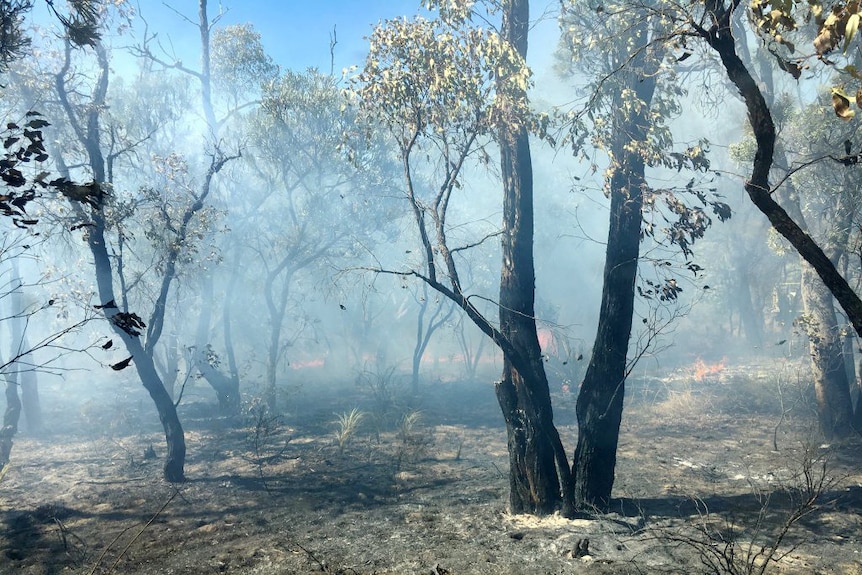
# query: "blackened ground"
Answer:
x=698 y=472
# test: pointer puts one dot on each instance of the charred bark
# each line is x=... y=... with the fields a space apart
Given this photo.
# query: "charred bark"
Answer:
x=539 y=476
x=601 y=397
x=720 y=38
x=600 y=401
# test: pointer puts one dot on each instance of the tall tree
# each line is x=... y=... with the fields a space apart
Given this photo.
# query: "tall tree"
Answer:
x=824 y=202
x=301 y=181
x=89 y=148
x=536 y=457
x=715 y=26
x=233 y=69
x=447 y=88
x=85 y=123
x=626 y=117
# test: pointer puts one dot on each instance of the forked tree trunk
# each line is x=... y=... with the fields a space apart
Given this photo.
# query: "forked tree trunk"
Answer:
x=424 y=332
x=87 y=130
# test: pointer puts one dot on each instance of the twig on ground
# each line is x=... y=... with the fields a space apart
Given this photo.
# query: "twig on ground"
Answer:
x=135 y=538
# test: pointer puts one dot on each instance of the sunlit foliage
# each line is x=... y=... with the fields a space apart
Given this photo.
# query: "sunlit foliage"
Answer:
x=240 y=66
x=438 y=77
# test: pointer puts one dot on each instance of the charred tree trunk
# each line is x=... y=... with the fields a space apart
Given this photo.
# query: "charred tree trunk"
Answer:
x=538 y=475
x=826 y=339
x=721 y=39
x=600 y=400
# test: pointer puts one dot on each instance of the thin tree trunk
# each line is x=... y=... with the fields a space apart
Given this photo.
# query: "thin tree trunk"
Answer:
x=225 y=386
x=820 y=321
x=30 y=401
x=10 y=421
x=424 y=333
x=750 y=316
x=143 y=361
x=27 y=378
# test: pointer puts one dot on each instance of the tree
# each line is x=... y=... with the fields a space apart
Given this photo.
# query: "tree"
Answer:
x=20 y=344
x=24 y=146
x=447 y=88
x=301 y=181
x=831 y=205
x=233 y=70
x=715 y=27
x=23 y=361
x=625 y=116
x=90 y=211
x=823 y=201
x=440 y=314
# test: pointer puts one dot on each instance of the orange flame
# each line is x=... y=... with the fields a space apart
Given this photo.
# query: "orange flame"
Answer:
x=702 y=370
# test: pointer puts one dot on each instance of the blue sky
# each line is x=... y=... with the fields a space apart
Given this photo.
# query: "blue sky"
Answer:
x=295 y=32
